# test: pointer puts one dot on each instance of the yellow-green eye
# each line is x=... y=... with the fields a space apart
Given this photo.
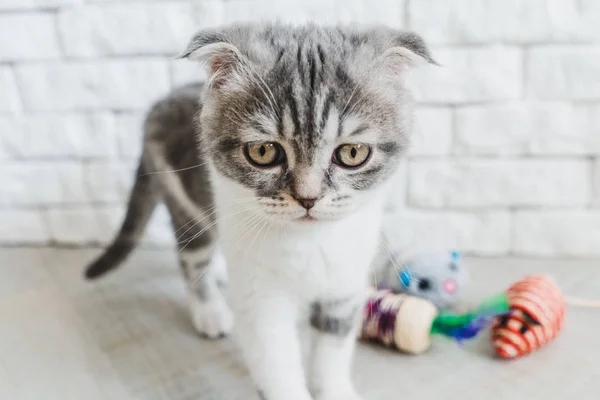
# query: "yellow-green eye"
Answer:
x=352 y=155
x=264 y=154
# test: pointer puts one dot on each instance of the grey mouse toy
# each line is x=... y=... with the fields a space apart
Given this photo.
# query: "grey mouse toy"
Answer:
x=439 y=277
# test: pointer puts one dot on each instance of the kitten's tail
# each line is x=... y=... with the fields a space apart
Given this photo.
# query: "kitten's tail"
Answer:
x=142 y=201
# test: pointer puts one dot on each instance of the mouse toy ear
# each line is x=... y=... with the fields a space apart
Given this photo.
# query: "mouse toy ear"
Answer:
x=405 y=277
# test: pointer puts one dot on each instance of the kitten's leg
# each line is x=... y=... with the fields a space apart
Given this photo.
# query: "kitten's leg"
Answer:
x=266 y=327
x=206 y=276
x=336 y=322
x=203 y=267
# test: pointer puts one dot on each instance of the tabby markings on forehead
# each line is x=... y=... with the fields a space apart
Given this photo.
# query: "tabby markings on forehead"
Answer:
x=351 y=126
x=265 y=125
x=288 y=123
x=292 y=127
x=331 y=126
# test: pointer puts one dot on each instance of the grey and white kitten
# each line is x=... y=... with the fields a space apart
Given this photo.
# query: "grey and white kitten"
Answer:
x=297 y=134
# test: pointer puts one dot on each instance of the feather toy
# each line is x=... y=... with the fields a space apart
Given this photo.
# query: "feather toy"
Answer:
x=528 y=316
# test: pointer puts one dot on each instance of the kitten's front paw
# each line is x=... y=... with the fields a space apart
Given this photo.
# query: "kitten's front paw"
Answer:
x=212 y=319
x=341 y=394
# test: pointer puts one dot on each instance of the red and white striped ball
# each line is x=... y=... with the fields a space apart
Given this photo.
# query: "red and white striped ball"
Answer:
x=537 y=315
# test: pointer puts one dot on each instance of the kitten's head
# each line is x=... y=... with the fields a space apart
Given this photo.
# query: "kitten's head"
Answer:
x=308 y=121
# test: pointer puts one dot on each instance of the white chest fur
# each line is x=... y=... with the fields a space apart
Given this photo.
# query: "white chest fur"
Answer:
x=313 y=260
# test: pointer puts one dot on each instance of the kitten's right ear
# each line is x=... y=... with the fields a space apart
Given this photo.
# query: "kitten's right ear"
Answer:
x=224 y=61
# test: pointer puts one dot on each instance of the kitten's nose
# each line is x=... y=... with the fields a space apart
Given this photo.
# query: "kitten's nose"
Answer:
x=307 y=203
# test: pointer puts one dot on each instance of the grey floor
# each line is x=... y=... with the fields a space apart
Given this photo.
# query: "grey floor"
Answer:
x=128 y=337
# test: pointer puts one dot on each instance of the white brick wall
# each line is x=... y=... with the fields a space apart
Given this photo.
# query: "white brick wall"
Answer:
x=91 y=85
x=556 y=233
x=485 y=233
x=35 y=5
x=475 y=183
x=42 y=183
x=23 y=227
x=433 y=132
x=134 y=28
x=9 y=94
x=564 y=73
x=28 y=37
x=469 y=75
x=596 y=183
x=530 y=128
x=504 y=21
x=59 y=135
x=506 y=153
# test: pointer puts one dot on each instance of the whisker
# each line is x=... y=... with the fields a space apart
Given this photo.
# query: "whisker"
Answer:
x=391 y=256
x=174 y=170
x=240 y=225
x=374 y=271
x=238 y=201
x=255 y=236
x=249 y=228
x=399 y=270
x=202 y=217
x=350 y=98
x=252 y=76
x=197 y=279
x=207 y=227
x=212 y=210
x=362 y=82
x=262 y=242
x=248 y=221
x=247 y=225
x=196 y=235
x=274 y=102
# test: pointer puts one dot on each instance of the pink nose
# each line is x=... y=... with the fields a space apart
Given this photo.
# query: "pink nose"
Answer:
x=450 y=286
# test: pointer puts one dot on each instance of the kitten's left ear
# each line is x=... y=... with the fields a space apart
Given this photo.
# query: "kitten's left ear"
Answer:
x=406 y=51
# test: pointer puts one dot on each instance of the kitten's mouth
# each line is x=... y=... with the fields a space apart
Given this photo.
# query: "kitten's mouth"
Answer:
x=307 y=218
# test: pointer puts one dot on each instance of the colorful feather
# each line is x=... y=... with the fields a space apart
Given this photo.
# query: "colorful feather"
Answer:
x=467 y=326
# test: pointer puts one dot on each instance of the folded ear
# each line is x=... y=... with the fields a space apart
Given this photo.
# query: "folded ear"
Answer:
x=415 y=44
x=224 y=61
x=406 y=51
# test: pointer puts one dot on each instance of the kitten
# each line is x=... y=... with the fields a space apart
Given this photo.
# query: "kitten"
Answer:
x=295 y=139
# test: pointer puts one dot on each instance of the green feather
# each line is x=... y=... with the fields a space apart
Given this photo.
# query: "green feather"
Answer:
x=469 y=324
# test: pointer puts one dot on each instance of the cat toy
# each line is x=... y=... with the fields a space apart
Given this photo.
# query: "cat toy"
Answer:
x=525 y=318
x=408 y=322
x=439 y=276
x=538 y=310
x=398 y=320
